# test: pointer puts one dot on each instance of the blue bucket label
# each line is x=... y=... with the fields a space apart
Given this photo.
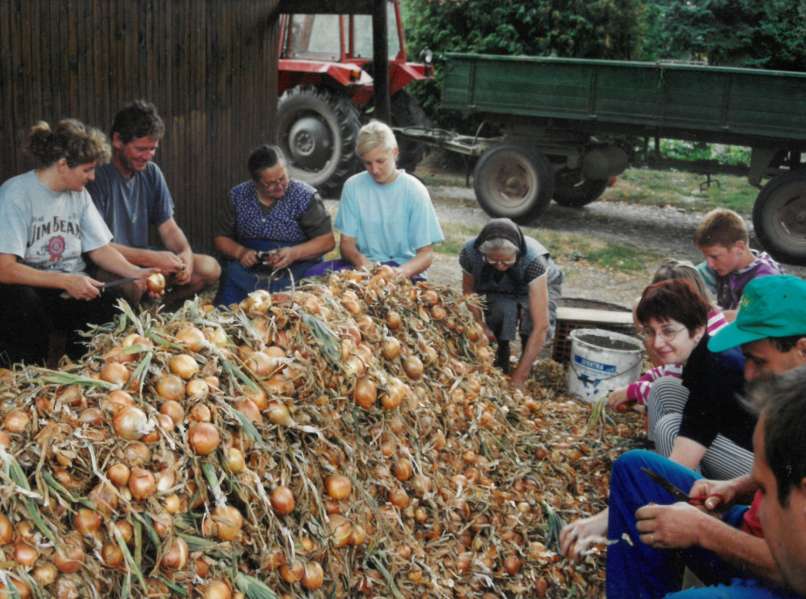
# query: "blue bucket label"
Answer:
x=598 y=366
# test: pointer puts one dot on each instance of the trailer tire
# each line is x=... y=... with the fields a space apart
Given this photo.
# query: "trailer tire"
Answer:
x=571 y=190
x=317 y=129
x=514 y=182
x=779 y=217
x=406 y=112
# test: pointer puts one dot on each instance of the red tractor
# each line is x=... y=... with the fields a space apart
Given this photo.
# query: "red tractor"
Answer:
x=325 y=78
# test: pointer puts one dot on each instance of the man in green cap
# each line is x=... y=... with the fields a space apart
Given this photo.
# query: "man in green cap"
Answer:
x=713 y=533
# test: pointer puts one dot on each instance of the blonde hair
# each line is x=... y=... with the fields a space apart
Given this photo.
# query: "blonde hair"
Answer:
x=721 y=227
x=375 y=134
x=70 y=140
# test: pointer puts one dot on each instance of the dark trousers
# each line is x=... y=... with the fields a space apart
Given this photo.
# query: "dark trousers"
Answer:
x=31 y=314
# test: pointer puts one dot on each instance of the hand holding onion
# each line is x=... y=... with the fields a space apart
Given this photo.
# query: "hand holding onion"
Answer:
x=155 y=283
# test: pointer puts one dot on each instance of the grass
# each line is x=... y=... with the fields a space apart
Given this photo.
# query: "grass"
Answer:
x=686 y=191
x=564 y=247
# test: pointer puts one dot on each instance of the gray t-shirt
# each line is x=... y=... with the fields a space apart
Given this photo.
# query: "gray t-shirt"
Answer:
x=129 y=206
x=49 y=230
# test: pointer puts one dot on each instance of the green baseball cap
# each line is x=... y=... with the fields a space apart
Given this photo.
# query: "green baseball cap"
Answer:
x=771 y=306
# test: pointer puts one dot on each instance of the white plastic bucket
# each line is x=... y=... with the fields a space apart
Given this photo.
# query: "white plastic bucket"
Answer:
x=602 y=361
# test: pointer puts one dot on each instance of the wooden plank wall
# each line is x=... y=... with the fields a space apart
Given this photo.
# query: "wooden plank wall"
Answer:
x=210 y=66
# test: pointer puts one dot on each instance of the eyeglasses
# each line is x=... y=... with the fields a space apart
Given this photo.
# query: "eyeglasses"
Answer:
x=269 y=185
x=666 y=333
x=504 y=262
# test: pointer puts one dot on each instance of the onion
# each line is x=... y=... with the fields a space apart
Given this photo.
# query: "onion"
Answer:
x=235 y=461
x=45 y=574
x=25 y=554
x=438 y=312
x=170 y=386
x=137 y=453
x=413 y=367
x=278 y=413
x=184 y=366
x=112 y=555
x=202 y=567
x=249 y=409
x=142 y=483
x=166 y=479
x=131 y=423
x=173 y=504
x=16 y=421
x=87 y=521
x=192 y=338
x=203 y=438
x=216 y=336
x=292 y=573
x=390 y=348
x=228 y=521
x=399 y=498
x=70 y=556
x=365 y=393
x=21 y=589
x=176 y=555
x=403 y=470
x=313 y=576
x=156 y=283
x=6 y=530
x=104 y=497
x=116 y=400
x=135 y=339
x=5 y=439
x=341 y=530
x=393 y=320
x=282 y=500
x=91 y=416
x=257 y=302
x=217 y=589
x=125 y=530
x=338 y=486
x=198 y=389
x=115 y=372
x=512 y=564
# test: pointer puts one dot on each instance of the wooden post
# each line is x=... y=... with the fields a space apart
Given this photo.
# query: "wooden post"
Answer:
x=380 y=48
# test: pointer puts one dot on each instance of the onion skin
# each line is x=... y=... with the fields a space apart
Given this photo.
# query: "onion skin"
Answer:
x=365 y=393
x=156 y=283
x=228 y=521
x=6 y=530
x=16 y=421
x=130 y=423
x=176 y=555
x=313 y=576
x=183 y=366
x=72 y=557
x=142 y=483
x=25 y=554
x=170 y=386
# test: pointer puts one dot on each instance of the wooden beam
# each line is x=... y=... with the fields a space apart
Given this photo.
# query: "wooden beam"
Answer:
x=380 y=60
x=333 y=7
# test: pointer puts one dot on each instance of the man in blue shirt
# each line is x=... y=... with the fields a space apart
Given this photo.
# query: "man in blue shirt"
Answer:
x=131 y=194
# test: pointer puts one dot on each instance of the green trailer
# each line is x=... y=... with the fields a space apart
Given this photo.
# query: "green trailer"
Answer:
x=566 y=126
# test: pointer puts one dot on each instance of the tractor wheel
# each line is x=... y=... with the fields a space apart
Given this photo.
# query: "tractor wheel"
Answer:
x=514 y=182
x=316 y=129
x=571 y=190
x=779 y=217
x=406 y=112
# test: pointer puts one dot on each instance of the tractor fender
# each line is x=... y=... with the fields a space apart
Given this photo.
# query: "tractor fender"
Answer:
x=344 y=74
x=403 y=73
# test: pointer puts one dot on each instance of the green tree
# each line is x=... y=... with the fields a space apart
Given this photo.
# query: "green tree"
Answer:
x=569 y=28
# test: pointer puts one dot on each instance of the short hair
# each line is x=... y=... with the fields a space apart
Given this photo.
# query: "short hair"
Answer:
x=138 y=119
x=263 y=157
x=498 y=245
x=673 y=269
x=375 y=134
x=782 y=401
x=70 y=139
x=675 y=299
x=721 y=227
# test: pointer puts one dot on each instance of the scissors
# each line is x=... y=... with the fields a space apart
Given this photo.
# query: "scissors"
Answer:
x=677 y=492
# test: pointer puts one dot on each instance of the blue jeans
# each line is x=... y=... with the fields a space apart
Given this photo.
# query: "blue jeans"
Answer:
x=637 y=570
x=237 y=282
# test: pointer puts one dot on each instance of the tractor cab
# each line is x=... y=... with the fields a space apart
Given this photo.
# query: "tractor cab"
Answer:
x=326 y=86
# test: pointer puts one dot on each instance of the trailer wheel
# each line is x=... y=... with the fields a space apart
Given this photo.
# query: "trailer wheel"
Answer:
x=571 y=190
x=779 y=217
x=406 y=112
x=514 y=182
x=316 y=129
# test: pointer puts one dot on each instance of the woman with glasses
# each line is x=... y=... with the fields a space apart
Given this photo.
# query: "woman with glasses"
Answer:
x=272 y=229
x=521 y=285
x=697 y=421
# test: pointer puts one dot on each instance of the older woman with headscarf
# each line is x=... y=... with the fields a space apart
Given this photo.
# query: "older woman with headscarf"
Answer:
x=521 y=285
